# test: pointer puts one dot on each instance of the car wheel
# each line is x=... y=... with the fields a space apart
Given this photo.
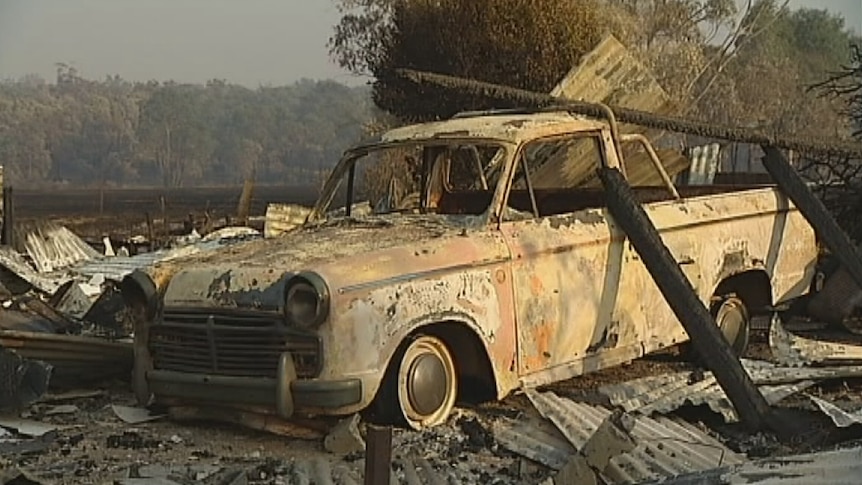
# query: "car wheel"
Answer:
x=732 y=318
x=427 y=382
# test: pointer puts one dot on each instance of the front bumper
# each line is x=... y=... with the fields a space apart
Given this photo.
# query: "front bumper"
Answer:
x=284 y=393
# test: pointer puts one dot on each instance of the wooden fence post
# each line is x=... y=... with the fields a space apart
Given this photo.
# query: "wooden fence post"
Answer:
x=8 y=218
x=378 y=455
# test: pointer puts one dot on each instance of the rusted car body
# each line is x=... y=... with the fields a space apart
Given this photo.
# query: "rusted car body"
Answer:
x=495 y=287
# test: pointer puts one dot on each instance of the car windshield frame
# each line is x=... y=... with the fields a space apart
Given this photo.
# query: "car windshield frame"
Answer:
x=346 y=169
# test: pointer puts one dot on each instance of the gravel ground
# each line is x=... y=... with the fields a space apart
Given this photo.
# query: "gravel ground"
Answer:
x=92 y=445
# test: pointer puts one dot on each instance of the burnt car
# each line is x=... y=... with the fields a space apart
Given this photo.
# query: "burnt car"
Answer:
x=471 y=257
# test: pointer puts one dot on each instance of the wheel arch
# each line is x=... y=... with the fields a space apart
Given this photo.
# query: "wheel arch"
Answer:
x=752 y=286
x=478 y=377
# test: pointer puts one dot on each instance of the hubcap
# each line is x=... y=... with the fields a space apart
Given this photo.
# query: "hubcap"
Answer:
x=427 y=384
x=732 y=322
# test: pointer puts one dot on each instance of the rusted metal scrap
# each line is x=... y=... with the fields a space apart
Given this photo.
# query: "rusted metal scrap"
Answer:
x=624 y=115
x=75 y=359
x=793 y=350
x=22 y=381
x=250 y=419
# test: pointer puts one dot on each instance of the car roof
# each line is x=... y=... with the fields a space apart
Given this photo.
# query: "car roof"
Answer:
x=513 y=128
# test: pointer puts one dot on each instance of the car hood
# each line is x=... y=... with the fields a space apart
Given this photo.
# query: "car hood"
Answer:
x=252 y=274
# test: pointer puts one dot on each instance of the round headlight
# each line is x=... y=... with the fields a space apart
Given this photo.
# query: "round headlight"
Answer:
x=306 y=301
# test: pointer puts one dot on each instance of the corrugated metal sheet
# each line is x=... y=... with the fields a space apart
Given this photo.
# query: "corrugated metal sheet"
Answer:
x=15 y=262
x=639 y=169
x=840 y=417
x=59 y=256
x=793 y=350
x=667 y=392
x=611 y=74
x=664 y=447
x=705 y=161
x=74 y=358
x=535 y=439
x=283 y=217
x=52 y=247
x=231 y=232
x=574 y=165
x=841 y=467
x=116 y=268
x=706 y=392
x=767 y=373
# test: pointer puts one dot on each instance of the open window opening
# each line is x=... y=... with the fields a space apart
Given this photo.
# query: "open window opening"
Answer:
x=558 y=175
x=426 y=177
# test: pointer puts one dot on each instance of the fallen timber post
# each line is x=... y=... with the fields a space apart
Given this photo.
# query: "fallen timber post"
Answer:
x=746 y=398
x=635 y=117
x=750 y=405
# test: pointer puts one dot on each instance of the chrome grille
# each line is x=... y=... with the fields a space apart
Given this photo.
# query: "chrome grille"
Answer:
x=231 y=343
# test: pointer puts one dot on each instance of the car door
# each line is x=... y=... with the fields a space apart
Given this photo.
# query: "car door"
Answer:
x=575 y=306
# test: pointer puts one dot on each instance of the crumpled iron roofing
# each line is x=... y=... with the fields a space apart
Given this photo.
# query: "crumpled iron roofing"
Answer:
x=793 y=350
x=840 y=417
x=667 y=392
x=664 y=447
x=52 y=247
x=115 y=268
x=839 y=467
x=17 y=264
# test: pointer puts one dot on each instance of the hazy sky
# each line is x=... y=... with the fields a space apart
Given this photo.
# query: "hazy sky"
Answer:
x=250 y=42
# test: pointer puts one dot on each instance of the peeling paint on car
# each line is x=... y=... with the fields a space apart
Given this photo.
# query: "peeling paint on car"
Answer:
x=548 y=298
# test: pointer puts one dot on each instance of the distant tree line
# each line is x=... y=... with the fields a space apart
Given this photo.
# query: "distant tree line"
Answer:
x=749 y=63
x=113 y=132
